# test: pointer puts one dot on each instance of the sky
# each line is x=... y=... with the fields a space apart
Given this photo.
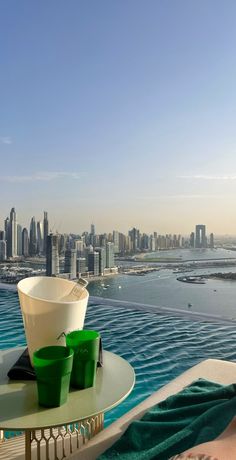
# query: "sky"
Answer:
x=121 y=113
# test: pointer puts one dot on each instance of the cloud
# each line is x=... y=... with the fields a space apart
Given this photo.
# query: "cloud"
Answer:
x=5 y=140
x=42 y=176
x=180 y=196
x=224 y=177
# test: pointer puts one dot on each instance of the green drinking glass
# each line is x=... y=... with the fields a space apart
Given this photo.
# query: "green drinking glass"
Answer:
x=86 y=353
x=53 y=366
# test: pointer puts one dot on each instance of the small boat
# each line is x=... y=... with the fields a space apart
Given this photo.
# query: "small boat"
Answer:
x=190 y=305
x=119 y=287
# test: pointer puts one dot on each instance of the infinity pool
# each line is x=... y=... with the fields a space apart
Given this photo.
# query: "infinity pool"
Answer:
x=158 y=346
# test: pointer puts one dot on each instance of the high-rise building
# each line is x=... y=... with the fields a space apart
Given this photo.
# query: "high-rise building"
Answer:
x=152 y=243
x=33 y=238
x=40 y=239
x=12 y=234
x=93 y=263
x=200 y=236
x=19 y=240
x=110 y=260
x=191 y=242
x=81 y=266
x=2 y=235
x=45 y=231
x=116 y=242
x=135 y=239
x=79 y=247
x=25 y=242
x=3 y=250
x=102 y=259
x=52 y=255
x=92 y=229
x=122 y=243
x=70 y=262
x=211 y=240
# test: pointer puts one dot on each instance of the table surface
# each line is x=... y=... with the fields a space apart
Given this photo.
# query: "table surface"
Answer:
x=19 y=409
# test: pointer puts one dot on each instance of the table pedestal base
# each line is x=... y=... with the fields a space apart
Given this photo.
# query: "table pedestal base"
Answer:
x=57 y=443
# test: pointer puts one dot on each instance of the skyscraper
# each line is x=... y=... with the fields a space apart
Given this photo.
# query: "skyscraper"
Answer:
x=19 y=240
x=33 y=238
x=200 y=236
x=12 y=234
x=135 y=239
x=25 y=242
x=3 y=250
x=93 y=263
x=81 y=265
x=52 y=255
x=116 y=241
x=192 y=240
x=102 y=259
x=110 y=261
x=2 y=235
x=40 y=239
x=70 y=262
x=45 y=231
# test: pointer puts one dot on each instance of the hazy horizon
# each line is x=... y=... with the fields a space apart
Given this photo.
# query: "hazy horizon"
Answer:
x=119 y=113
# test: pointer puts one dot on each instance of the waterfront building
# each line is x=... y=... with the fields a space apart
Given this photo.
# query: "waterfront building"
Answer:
x=52 y=255
x=116 y=241
x=33 y=238
x=79 y=247
x=87 y=251
x=93 y=263
x=11 y=230
x=192 y=243
x=102 y=259
x=102 y=240
x=135 y=239
x=92 y=235
x=70 y=262
x=110 y=260
x=81 y=266
x=62 y=239
x=2 y=235
x=40 y=239
x=3 y=250
x=19 y=240
x=122 y=243
x=200 y=236
x=128 y=243
x=211 y=240
x=152 y=243
x=25 y=242
x=45 y=231
x=145 y=242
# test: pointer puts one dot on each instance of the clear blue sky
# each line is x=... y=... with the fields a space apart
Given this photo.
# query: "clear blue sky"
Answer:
x=120 y=112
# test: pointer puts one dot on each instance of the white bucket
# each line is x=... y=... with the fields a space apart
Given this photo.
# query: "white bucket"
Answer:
x=49 y=309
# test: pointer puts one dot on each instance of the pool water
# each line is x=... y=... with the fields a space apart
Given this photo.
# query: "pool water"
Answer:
x=158 y=346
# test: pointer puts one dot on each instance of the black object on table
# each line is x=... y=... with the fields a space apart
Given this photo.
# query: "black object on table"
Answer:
x=22 y=369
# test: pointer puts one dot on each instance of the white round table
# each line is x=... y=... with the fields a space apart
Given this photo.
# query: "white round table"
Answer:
x=74 y=422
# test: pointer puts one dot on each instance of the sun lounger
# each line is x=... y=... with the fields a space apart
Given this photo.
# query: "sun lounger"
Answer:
x=222 y=372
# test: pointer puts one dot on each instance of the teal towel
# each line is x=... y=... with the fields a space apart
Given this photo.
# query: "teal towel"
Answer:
x=197 y=414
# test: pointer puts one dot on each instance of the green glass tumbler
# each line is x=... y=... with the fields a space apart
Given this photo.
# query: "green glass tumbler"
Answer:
x=53 y=366
x=86 y=353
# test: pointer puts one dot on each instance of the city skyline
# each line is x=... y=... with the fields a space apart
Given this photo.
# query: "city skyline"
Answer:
x=127 y=129
x=43 y=227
